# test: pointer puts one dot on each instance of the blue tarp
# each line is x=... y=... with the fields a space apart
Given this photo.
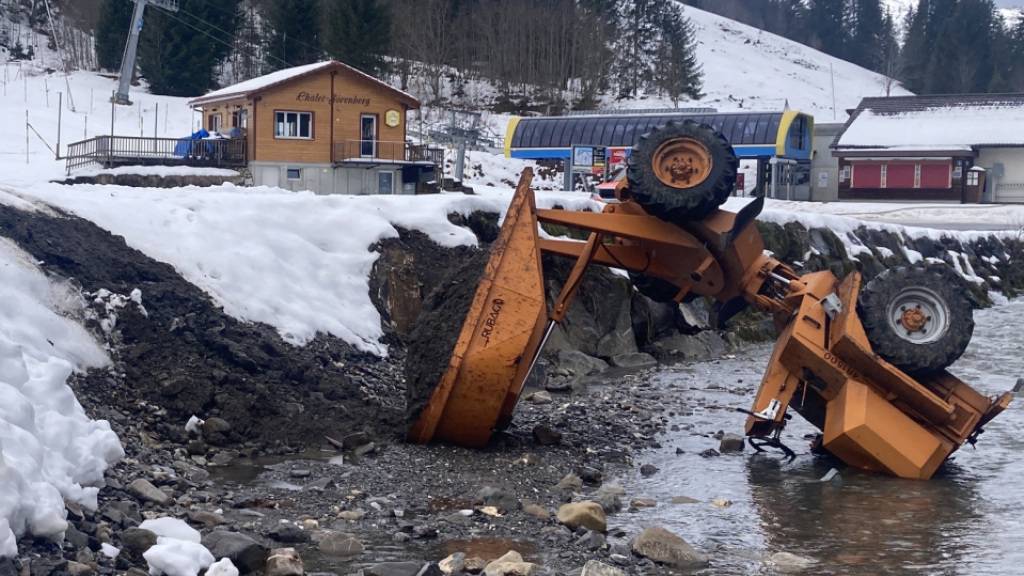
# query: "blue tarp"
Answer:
x=185 y=146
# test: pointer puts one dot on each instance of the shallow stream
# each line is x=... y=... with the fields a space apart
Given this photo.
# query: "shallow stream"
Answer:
x=969 y=519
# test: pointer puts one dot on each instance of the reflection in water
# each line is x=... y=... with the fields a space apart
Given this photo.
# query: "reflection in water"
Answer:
x=967 y=520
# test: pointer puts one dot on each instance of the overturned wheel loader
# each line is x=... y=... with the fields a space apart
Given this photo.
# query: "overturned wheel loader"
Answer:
x=865 y=365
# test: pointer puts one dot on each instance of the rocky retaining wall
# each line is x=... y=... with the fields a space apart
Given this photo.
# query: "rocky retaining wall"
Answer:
x=611 y=325
x=156 y=180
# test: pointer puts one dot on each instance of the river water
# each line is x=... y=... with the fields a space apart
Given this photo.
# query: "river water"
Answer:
x=969 y=519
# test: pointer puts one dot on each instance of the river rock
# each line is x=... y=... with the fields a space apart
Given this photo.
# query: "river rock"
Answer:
x=570 y=482
x=79 y=569
x=634 y=360
x=284 y=562
x=340 y=544
x=351 y=515
x=499 y=497
x=453 y=564
x=145 y=490
x=684 y=500
x=207 y=519
x=595 y=568
x=648 y=470
x=511 y=564
x=664 y=547
x=537 y=511
x=588 y=514
x=609 y=497
x=591 y=476
x=216 y=430
x=246 y=554
x=546 y=435
x=580 y=364
x=136 y=541
x=289 y=534
x=592 y=540
x=540 y=397
x=731 y=443
x=788 y=563
x=643 y=503
x=475 y=565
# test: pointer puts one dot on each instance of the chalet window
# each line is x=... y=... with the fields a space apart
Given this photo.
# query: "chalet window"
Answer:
x=293 y=125
x=844 y=176
x=213 y=121
x=972 y=178
x=240 y=119
x=295 y=173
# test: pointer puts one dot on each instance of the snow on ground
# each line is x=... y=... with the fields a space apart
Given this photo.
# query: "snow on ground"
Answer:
x=49 y=449
x=297 y=261
x=750 y=69
x=983 y=216
x=159 y=171
x=178 y=551
x=25 y=88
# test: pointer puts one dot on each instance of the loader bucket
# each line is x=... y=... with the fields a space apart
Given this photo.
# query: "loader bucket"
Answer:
x=498 y=340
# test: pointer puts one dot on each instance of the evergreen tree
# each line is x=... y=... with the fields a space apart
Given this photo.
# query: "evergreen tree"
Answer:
x=870 y=35
x=293 y=33
x=676 y=71
x=827 y=23
x=179 y=59
x=1015 y=73
x=357 y=32
x=638 y=45
x=112 y=32
x=915 y=55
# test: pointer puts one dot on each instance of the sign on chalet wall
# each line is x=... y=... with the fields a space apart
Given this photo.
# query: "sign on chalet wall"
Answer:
x=318 y=98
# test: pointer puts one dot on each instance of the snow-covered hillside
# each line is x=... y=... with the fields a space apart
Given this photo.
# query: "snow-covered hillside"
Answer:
x=746 y=68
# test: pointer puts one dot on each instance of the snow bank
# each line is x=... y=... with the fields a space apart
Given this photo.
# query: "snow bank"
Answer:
x=160 y=171
x=178 y=551
x=296 y=261
x=49 y=449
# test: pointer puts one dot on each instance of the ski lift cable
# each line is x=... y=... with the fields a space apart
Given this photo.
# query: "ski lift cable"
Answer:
x=228 y=12
x=215 y=38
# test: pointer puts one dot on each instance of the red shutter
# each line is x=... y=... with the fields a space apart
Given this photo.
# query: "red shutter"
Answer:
x=866 y=175
x=935 y=175
x=900 y=176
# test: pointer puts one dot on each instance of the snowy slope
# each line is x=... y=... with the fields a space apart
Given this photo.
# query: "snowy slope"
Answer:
x=746 y=68
x=49 y=449
x=899 y=9
x=26 y=88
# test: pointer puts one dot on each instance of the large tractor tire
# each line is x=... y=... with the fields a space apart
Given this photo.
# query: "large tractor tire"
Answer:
x=682 y=171
x=917 y=319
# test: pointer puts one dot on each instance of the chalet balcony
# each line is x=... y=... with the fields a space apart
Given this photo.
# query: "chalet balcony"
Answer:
x=112 y=151
x=379 y=152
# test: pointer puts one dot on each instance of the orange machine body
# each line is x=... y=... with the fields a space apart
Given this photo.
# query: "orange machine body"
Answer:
x=871 y=414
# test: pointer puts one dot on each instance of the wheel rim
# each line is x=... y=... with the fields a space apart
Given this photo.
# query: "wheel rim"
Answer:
x=918 y=315
x=682 y=163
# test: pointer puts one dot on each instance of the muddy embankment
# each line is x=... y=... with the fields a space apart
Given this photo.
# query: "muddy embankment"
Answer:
x=178 y=354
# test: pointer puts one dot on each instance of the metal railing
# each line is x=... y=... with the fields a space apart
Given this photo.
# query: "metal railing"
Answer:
x=379 y=150
x=121 y=150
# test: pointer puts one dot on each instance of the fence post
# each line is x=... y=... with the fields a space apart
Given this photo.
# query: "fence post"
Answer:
x=26 y=137
x=60 y=119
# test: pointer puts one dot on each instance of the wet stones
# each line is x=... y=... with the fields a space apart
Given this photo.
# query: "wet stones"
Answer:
x=648 y=470
x=634 y=360
x=216 y=431
x=145 y=490
x=288 y=534
x=570 y=483
x=453 y=564
x=499 y=497
x=788 y=563
x=284 y=562
x=136 y=541
x=536 y=511
x=394 y=569
x=511 y=564
x=586 y=514
x=539 y=397
x=664 y=547
x=546 y=435
x=731 y=443
x=595 y=568
x=340 y=545
x=591 y=476
x=246 y=554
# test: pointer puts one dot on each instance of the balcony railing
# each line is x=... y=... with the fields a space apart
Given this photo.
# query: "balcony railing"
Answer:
x=124 y=150
x=383 y=151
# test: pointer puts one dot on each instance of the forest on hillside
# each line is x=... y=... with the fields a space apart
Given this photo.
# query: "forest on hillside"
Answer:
x=530 y=54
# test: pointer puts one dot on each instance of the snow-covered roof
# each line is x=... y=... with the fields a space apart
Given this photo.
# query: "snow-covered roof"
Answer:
x=274 y=79
x=922 y=123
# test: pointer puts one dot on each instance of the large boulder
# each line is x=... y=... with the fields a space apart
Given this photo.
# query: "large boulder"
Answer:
x=588 y=514
x=688 y=348
x=664 y=547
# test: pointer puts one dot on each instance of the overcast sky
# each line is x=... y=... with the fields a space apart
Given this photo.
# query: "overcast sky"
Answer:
x=1009 y=3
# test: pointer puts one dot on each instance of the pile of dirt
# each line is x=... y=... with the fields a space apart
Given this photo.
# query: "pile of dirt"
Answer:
x=184 y=354
x=430 y=344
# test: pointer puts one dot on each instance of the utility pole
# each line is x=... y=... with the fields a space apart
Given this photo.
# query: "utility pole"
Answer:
x=131 y=50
